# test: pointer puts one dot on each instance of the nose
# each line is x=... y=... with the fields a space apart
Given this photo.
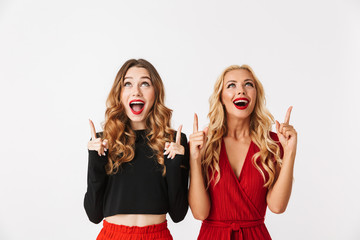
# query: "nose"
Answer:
x=136 y=91
x=241 y=90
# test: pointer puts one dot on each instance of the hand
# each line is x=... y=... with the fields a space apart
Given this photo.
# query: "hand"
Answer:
x=287 y=134
x=97 y=144
x=174 y=148
x=197 y=140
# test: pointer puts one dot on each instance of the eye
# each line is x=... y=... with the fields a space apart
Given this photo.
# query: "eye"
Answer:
x=231 y=85
x=145 y=84
x=249 y=84
x=127 y=84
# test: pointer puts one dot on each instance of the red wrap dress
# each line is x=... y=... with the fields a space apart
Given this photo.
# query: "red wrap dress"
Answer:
x=238 y=205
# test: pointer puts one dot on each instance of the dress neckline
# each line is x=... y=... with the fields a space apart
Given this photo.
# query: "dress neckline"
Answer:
x=245 y=160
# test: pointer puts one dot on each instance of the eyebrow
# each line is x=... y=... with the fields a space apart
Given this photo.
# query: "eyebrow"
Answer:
x=248 y=79
x=143 y=77
x=234 y=81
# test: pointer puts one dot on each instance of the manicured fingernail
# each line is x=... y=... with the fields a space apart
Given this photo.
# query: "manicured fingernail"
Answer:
x=105 y=149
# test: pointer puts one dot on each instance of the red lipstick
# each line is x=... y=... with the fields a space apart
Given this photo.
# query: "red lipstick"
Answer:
x=241 y=103
x=137 y=106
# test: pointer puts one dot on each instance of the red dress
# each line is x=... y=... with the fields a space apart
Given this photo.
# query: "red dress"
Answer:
x=238 y=206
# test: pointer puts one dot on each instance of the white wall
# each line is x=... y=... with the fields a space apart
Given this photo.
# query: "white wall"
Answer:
x=58 y=60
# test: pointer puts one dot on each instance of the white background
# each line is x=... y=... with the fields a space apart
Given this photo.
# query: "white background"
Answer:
x=58 y=60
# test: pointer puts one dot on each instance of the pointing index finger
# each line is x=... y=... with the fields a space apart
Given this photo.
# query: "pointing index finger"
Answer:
x=178 y=134
x=92 y=129
x=287 y=117
x=195 y=126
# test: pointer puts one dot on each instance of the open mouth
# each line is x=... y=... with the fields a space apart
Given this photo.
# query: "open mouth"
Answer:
x=241 y=103
x=137 y=106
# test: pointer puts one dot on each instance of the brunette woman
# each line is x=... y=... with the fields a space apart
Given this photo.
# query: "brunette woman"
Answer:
x=132 y=182
x=238 y=166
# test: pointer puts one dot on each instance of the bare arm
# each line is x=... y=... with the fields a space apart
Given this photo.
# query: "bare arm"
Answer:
x=279 y=195
x=199 y=199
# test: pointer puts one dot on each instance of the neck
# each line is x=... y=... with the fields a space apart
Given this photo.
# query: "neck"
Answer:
x=238 y=128
x=137 y=125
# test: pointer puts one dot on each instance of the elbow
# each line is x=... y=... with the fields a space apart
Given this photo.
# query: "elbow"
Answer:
x=200 y=215
x=93 y=215
x=277 y=205
x=177 y=218
x=178 y=214
x=95 y=220
x=200 y=211
x=277 y=209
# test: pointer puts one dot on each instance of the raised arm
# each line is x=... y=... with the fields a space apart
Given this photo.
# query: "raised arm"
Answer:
x=199 y=199
x=279 y=195
x=177 y=175
x=97 y=178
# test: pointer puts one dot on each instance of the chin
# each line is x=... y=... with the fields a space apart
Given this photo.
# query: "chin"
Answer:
x=136 y=119
x=239 y=115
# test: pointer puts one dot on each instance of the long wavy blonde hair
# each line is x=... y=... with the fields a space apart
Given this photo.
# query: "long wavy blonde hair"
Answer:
x=117 y=129
x=261 y=122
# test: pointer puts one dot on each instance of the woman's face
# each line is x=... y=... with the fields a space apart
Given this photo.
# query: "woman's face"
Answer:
x=137 y=96
x=239 y=93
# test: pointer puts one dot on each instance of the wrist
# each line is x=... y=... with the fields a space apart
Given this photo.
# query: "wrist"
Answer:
x=289 y=155
x=195 y=161
x=289 y=151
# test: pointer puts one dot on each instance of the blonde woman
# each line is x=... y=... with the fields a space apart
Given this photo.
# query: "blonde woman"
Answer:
x=132 y=182
x=238 y=166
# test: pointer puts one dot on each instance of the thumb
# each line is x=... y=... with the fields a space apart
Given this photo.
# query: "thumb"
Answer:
x=205 y=130
x=277 y=126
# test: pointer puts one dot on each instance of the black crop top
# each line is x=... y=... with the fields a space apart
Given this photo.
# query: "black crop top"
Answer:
x=138 y=187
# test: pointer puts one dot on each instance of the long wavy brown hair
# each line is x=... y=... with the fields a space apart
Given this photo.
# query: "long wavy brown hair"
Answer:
x=117 y=128
x=261 y=122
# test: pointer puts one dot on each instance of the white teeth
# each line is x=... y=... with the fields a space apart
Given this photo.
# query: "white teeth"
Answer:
x=239 y=101
x=136 y=102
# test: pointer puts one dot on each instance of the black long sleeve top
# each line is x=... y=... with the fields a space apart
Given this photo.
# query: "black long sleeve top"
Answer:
x=139 y=186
